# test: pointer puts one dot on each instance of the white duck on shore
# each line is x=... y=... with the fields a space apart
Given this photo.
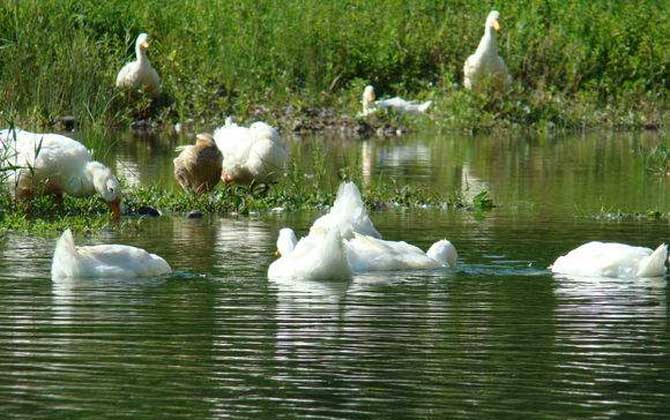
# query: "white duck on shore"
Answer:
x=486 y=62
x=140 y=73
x=71 y=261
x=51 y=163
x=609 y=259
x=370 y=105
x=250 y=153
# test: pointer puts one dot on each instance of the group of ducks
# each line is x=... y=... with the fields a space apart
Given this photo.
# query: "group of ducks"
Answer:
x=484 y=64
x=234 y=154
x=35 y=163
x=339 y=244
x=345 y=242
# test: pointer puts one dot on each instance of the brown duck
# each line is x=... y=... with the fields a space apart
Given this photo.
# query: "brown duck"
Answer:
x=198 y=167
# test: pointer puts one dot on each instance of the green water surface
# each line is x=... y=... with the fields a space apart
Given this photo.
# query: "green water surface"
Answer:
x=497 y=337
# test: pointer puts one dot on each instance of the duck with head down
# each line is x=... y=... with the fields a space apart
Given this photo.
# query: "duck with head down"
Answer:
x=197 y=169
x=58 y=165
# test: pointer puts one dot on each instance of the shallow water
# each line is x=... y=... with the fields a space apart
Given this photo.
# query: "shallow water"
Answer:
x=499 y=336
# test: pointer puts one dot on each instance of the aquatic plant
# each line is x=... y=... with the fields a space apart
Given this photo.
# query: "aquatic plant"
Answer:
x=293 y=192
x=657 y=159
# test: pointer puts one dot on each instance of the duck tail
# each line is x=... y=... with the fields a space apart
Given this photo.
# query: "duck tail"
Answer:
x=654 y=264
x=349 y=205
x=65 y=259
x=424 y=106
x=334 y=264
x=443 y=252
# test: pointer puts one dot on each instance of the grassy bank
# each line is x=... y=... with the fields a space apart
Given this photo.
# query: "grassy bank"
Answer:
x=293 y=192
x=575 y=63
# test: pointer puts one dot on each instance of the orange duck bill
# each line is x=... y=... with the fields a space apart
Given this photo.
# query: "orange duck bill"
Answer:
x=115 y=206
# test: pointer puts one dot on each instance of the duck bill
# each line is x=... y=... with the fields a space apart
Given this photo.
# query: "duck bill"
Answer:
x=145 y=45
x=226 y=177
x=496 y=25
x=115 y=206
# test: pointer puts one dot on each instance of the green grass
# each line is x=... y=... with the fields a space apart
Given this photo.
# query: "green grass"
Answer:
x=43 y=214
x=575 y=63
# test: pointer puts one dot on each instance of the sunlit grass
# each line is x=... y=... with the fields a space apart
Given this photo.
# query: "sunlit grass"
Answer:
x=575 y=63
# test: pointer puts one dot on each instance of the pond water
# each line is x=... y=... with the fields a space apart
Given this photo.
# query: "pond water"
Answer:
x=498 y=336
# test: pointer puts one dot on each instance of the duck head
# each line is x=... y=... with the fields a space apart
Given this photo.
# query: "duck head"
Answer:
x=107 y=186
x=286 y=242
x=368 y=97
x=492 y=20
x=205 y=140
x=142 y=42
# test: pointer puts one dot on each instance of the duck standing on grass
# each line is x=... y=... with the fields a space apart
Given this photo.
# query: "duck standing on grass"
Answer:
x=51 y=163
x=610 y=259
x=486 y=62
x=140 y=73
x=397 y=103
x=197 y=169
x=103 y=261
x=254 y=153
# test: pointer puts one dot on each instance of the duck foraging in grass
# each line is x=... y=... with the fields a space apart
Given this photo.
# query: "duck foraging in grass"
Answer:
x=71 y=261
x=51 y=163
x=255 y=153
x=140 y=73
x=398 y=104
x=197 y=169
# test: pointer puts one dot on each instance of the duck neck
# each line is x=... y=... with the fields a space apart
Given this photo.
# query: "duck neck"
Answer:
x=488 y=44
x=367 y=105
x=90 y=171
x=140 y=54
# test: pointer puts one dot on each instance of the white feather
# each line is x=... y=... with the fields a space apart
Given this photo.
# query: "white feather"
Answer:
x=603 y=259
x=348 y=214
x=250 y=153
x=139 y=73
x=104 y=260
x=485 y=62
x=60 y=162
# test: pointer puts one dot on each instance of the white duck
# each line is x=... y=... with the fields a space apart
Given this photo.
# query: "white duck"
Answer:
x=140 y=73
x=603 y=259
x=318 y=256
x=396 y=103
x=348 y=214
x=364 y=250
x=60 y=165
x=104 y=260
x=250 y=153
x=366 y=253
x=486 y=62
